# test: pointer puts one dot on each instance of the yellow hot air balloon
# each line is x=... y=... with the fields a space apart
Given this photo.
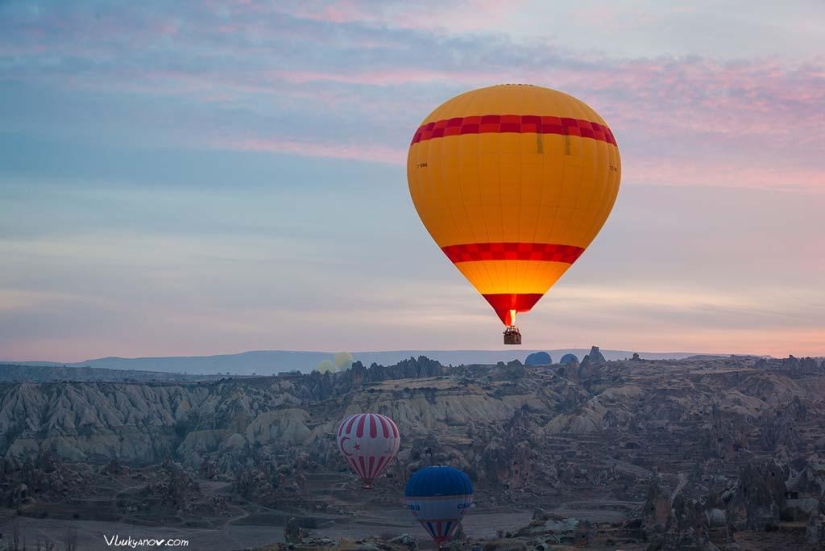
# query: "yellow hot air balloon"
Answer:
x=342 y=358
x=326 y=366
x=513 y=182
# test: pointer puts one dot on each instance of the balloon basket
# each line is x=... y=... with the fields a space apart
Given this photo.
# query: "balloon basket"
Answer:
x=512 y=335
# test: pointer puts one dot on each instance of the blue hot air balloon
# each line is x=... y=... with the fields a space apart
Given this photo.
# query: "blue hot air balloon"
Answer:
x=439 y=497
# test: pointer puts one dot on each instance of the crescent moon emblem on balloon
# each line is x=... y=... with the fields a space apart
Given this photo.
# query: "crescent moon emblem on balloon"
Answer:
x=344 y=440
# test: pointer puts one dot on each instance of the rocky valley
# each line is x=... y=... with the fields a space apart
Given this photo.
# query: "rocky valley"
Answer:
x=697 y=453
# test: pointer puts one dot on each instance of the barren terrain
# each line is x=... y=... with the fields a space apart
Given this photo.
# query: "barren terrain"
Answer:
x=690 y=454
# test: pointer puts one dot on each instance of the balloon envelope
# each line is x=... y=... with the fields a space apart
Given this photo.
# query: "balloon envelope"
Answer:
x=439 y=497
x=513 y=182
x=368 y=442
x=342 y=358
x=325 y=366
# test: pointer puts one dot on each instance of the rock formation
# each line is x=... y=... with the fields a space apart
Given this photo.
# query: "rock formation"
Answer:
x=595 y=355
x=738 y=437
x=758 y=498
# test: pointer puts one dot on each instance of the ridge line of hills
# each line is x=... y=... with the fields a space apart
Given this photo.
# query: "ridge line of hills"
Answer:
x=272 y=362
x=675 y=452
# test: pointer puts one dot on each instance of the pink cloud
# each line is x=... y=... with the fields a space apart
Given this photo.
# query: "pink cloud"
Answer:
x=777 y=341
x=739 y=104
x=613 y=17
x=470 y=16
x=759 y=174
x=166 y=28
x=689 y=121
x=742 y=144
x=230 y=28
x=756 y=112
x=389 y=77
x=22 y=49
x=349 y=151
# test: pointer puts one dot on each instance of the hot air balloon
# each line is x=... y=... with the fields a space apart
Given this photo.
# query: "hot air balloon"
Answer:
x=513 y=182
x=326 y=366
x=368 y=442
x=439 y=497
x=343 y=360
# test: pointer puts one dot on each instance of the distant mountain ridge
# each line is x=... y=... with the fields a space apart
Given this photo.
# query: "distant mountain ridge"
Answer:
x=270 y=362
x=60 y=373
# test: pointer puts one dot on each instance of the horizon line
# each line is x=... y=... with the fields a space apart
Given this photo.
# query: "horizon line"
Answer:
x=530 y=350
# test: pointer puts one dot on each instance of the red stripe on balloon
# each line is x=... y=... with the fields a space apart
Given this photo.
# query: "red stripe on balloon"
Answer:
x=359 y=431
x=349 y=425
x=384 y=426
x=439 y=533
x=382 y=462
x=544 y=252
x=373 y=426
x=355 y=467
x=519 y=124
x=341 y=428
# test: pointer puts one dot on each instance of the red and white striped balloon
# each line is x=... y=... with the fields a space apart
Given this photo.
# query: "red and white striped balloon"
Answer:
x=368 y=442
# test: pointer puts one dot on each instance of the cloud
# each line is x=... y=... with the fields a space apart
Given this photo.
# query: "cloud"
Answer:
x=273 y=80
x=21 y=300
x=762 y=173
x=163 y=104
x=363 y=152
x=427 y=15
x=389 y=77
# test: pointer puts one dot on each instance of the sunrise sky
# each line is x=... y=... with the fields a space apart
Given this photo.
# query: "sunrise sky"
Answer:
x=210 y=177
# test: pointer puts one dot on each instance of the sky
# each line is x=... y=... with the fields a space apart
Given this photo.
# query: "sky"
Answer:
x=206 y=177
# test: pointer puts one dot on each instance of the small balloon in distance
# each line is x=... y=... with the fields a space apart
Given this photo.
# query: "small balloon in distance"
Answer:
x=344 y=360
x=325 y=366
